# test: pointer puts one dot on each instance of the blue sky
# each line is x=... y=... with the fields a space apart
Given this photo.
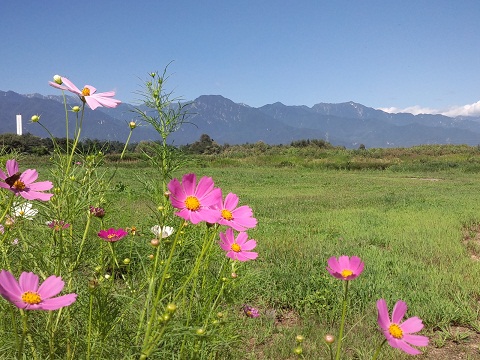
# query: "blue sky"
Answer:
x=420 y=55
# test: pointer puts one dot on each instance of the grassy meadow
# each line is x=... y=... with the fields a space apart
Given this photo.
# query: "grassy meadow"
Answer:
x=409 y=214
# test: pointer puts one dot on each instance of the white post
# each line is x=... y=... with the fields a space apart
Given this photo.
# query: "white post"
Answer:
x=19 y=124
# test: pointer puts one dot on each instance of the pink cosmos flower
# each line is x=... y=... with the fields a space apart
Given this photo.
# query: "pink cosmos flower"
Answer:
x=345 y=268
x=88 y=94
x=24 y=184
x=240 y=218
x=251 y=311
x=97 y=212
x=196 y=203
x=112 y=235
x=398 y=334
x=239 y=248
x=26 y=294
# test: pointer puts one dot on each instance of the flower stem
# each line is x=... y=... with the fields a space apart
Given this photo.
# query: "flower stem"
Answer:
x=126 y=144
x=378 y=349
x=342 y=323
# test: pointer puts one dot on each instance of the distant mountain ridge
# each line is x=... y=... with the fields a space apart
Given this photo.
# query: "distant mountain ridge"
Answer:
x=346 y=124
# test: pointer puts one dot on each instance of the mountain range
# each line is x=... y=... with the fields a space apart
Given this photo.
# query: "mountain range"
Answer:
x=346 y=124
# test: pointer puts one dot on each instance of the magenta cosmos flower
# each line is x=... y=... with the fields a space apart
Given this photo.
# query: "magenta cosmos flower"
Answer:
x=88 y=94
x=24 y=184
x=196 y=202
x=112 y=235
x=239 y=248
x=240 y=218
x=26 y=294
x=345 y=268
x=398 y=334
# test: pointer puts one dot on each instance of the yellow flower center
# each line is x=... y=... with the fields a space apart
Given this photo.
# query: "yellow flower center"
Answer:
x=236 y=247
x=192 y=203
x=110 y=236
x=31 y=297
x=227 y=215
x=395 y=331
x=19 y=185
x=86 y=92
x=346 y=273
x=21 y=213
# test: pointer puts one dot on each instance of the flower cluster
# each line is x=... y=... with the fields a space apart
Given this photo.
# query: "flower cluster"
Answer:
x=203 y=202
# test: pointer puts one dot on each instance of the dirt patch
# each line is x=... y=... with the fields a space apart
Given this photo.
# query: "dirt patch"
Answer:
x=454 y=343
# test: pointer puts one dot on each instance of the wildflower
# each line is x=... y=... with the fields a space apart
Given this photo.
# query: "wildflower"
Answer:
x=58 y=225
x=162 y=232
x=250 y=311
x=24 y=211
x=26 y=294
x=132 y=125
x=76 y=109
x=97 y=212
x=112 y=235
x=345 y=268
x=239 y=248
x=398 y=334
x=24 y=184
x=240 y=218
x=195 y=202
x=35 y=118
x=88 y=94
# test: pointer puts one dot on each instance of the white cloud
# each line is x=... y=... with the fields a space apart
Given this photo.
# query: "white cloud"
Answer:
x=465 y=110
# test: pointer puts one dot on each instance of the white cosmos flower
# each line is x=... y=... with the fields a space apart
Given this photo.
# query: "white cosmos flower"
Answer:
x=24 y=211
x=160 y=232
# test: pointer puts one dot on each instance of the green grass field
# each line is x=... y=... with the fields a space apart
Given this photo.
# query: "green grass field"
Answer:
x=414 y=227
x=408 y=227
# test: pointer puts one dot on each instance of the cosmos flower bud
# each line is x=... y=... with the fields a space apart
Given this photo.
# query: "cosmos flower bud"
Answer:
x=298 y=350
x=35 y=118
x=58 y=79
x=171 y=308
x=299 y=338
x=154 y=242
x=329 y=339
x=76 y=109
x=132 y=124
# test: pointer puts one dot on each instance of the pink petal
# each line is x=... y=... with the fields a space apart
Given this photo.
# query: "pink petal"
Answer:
x=58 y=302
x=245 y=256
x=29 y=176
x=412 y=325
x=34 y=195
x=383 y=317
x=334 y=265
x=40 y=186
x=249 y=245
x=71 y=86
x=399 y=311
x=51 y=287
x=231 y=201
x=28 y=281
x=242 y=237
x=211 y=199
x=12 y=167
x=205 y=186
x=92 y=102
x=344 y=263
x=402 y=345
x=417 y=340
x=92 y=89
x=188 y=183
x=9 y=287
x=243 y=211
x=3 y=176
x=176 y=190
